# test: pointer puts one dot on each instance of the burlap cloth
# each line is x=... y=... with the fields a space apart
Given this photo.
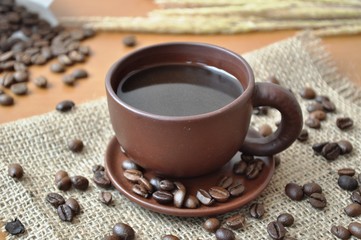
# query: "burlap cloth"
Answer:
x=39 y=144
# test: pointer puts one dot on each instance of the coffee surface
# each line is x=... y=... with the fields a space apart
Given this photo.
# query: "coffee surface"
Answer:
x=179 y=89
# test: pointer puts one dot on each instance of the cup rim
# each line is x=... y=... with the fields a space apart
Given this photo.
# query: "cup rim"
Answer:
x=246 y=94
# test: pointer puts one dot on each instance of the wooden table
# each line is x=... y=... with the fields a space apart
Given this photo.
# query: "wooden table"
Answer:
x=107 y=48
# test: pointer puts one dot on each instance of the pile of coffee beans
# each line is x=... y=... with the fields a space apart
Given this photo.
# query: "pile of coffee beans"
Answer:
x=66 y=209
x=64 y=182
x=248 y=166
x=121 y=231
x=311 y=190
x=15 y=170
x=276 y=229
x=332 y=150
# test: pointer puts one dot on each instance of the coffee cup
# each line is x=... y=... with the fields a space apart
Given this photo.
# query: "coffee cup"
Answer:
x=184 y=109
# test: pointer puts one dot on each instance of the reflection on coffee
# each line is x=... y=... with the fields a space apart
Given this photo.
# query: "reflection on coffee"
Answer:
x=179 y=89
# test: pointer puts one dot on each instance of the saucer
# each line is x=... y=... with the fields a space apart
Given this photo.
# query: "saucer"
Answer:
x=253 y=188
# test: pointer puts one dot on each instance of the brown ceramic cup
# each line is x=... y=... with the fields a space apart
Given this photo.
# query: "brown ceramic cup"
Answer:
x=189 y=146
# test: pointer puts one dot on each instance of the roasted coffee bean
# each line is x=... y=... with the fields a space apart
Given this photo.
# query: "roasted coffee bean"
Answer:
x=97 y=167
x=256 y=210
x=236 y=189
x=41 y=81
x=219 y=194
x=273 y=79
x=313 y=123
x=140 y=190
x=155 y=181
x=133 y=175
x=331 y=151
x=129 y=164
x=345 y=146
x=38 y=59
x=106 y=197
x=240 y=167
x=355 y=229
x=224 y=234
x=163 y=197
x=179 y=186
x=303 y=136
x=73 y=204
x=259 y=164
x=15 y=170
x=65 y=213
x=286 y=219
x=79 y=73
x=225 y=181
x=310 y=188
x=328 y=106
x=6 y=56
x=65 y=60
x=69 y=80
x=21 y=76
x=63 y=184
x=55 y=199
x=19 y=88
x=146 y=184
x=247 y=158
x=344 y=123
x=85 y=50
x=294 y=191
x=356 y=197
x=308 y=93
x=353 y=210
x=101 y=179
x=261 y=110
x=236 y=221
x=347 y=183
x=314 y=107
x=318 y=114
x=346 y=171
x=7 y=79
x=179 y=198
x=15 y=227
x=75 y=145
x=252 y=170
x=65 y=106
x=191 y=202
x=317 y=200
x=129 y=41
x=340 y=232
x=265 y=130
x=276 y=230
x=80 y=182
x=169 y=237
x=57 y=68
x=317 y=147
x=123 y=231
x=211 y=225
x=60 y=174
x=204 y=197
x=76 y=56
x=6 y=100
x=166 y=185
x=322 y=98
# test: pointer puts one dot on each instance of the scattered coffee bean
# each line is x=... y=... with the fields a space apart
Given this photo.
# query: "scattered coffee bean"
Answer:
x=313 y=123
x=169 y=237
x=294 y=191
x=106 y=197
x=55 y=199
x=73 y=204
x=140 y=190
x=65 y=106
x=308 y=93
x=19 y=88
x=356 y=197
x=191 y=202
x=355 y=229
x=319 y=115
x=317 y=200
x=179 y=198
x=129 y=164
x=303 y=135
x=7 y=79
x=155 y=181
x=345 y=146
x=265 y=130
x=63 y=184
x=133 y=175
x=331 y=151
x=260 y=111
x=224 y=234
x=273 y=79
x=41 y=82
x=252 y=170
x=247 y=158
x=236 y=189
x=225 y=182
x=219 y=194
x=317 y=147
x=314 y=107
x=328 y=106
x=346 y=171
x=166 y=185
x=240 y=167
x=60 y=174
x=57 y=68
x=101 y=179
x=276 y=230
x=256 y=210
x=347 y=183
x=97 y=167
x=15 y=170
x=15 y=227
x=344 y=123
x=310 y=188
x=211 y=225
x=79 y=73
x=145 y=184
x=65 y=60
x=75 y=145
x=179 y=186
x=204 y=197
x=65 y=213
x=236 y=221
x=80 y=182
x=123 y=231
x=129 y=41
x=69 y=80
x=21 y=76
x=353 y=210
x=340 y=232
x=286 y=219
x=322 y=98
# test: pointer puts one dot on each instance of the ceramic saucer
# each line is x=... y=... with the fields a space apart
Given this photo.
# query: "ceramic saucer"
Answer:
x=113 y=162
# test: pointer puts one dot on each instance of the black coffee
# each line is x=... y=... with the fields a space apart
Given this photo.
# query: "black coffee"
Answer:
x=179 y=89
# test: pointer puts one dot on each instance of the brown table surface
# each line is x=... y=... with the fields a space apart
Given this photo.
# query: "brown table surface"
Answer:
x=107 y=48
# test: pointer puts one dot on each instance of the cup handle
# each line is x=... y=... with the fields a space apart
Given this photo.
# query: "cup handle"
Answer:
x=273 y=95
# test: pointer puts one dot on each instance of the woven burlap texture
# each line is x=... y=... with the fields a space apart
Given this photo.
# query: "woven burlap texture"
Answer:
x=39 y=144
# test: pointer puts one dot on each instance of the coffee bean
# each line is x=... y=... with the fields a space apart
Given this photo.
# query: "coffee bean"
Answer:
x=314 y=107
x=313 y=123
x=219 y=194
x=15 y=170
x=41 y=82
x=60 y=174
x=225 y=234
x=75 y=145
x=286 y=219
x=73 y=204
x=317 y=147
x=204 y=197
x=15 y=227
x=345 y=146
x=169 y=237
x=63 y=184
x=247 y=158
x=353 y=210
x=21 y=76
x=65 y=60
x=322 y=98
x=6 y=56
x=132 y=175
x=178 y=198
x=346 y=171
x=331 y=151
x=252 y=170
x=6 y=100
x=55 y=199
x=155 y=181
x=69 y=80
x=273 y=79
x=163 y=197
x=65 y=106
x=179 y=186
x=355 y=229
x=240 y=167
x=123 y=231
x=191 y=202
x=308 y=93
x=101 y=179
x=317 y=200
x=129 y=41
x=76 y=56
x=260 y=111
x=38 y=59
x=310 y=188
x=129 y=164
x=211 y=225
x=236 y=189
x=65 y=213
x=97 y=167
x=303 y=136
x=356 y=197
x=57 y=68
x=106 y=197
x=347 y=183
x=265 y=130
x=236 y=221
x=85 y=50
x=225 y=182
x=276 y=230
x=294 y=191
x=256 y=210
x=166 y=185
x=344 y=123
x=328 y=106
x=79 y=73
x=19 y=88
x=140 y=190
x=340 y=232
x=146 y=184
x=318 y=114
x=80 y=182
x=7 y=79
